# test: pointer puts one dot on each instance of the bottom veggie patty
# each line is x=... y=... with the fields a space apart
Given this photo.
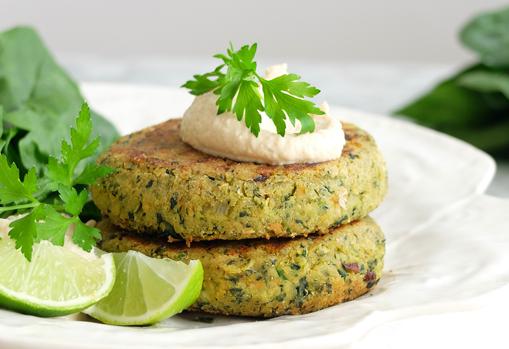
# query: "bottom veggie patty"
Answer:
x=267 y=278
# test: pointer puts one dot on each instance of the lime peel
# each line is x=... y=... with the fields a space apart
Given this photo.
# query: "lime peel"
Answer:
x=56 y=282
x=148 y=290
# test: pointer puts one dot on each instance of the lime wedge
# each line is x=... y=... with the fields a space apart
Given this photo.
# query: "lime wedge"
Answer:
x=148 y=290
x=58 y=281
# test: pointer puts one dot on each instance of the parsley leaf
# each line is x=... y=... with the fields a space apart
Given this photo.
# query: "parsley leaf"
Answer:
x=203 y=83
x=283 y=97
x=248 y=103
x=63 y=171
x=92 y=173
x=1 y=122
x=56 y=172
x=12 y=189
x=54 y=226
x=50 y=221
x=24 y=232
x=278 y=102
x=85 y=236
x=73 y=202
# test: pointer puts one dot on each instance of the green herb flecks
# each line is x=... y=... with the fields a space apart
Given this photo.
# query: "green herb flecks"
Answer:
x=238 y=92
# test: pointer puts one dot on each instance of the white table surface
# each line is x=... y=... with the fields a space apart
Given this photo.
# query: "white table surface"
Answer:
x=373 y=87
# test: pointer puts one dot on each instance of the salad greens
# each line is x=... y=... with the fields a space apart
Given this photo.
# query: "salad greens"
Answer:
x=44 y=168
x=474 y=104
x=488 y=35
x=39 y=101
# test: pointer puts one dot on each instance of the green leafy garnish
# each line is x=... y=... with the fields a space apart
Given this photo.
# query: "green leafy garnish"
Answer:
x=238 y=91
x=63 y=171
x=488 y=36
x=12 y=189
x=39 y=101
x=51 y=217
x=486 y=81
x=474 y=103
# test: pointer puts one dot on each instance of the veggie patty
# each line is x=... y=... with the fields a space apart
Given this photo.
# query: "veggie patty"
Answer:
x=166 y=187
x=271 y=278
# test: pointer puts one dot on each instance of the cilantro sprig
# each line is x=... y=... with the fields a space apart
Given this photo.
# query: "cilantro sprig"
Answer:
x=50 y=218
x=238 y=91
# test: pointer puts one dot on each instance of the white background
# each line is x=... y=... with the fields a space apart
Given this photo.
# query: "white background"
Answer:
x=389 y=30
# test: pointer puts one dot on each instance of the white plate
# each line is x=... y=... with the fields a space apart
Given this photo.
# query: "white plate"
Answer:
x=446 y=246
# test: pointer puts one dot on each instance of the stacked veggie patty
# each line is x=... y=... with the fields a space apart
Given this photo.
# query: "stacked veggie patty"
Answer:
x=303 y=239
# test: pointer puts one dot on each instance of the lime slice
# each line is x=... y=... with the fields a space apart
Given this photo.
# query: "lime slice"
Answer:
x=148 y=290
x=58 y=281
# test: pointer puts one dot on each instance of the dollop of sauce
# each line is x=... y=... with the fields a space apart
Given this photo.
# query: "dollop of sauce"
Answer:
x=224 y=136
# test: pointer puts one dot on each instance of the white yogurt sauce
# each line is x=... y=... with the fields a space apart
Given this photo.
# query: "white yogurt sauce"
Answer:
x=223 y=135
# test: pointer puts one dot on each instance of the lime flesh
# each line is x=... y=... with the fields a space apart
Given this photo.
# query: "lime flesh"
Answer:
x=148 y=290
x=58 y=281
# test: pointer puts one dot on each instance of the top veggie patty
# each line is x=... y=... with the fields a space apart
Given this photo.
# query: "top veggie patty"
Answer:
x=166 y=187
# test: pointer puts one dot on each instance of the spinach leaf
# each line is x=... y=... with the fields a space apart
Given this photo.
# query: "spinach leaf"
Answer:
x=491 y=138
x=451 y=105
x=487 y=81
x=2 y=141
x=488 y=35
x=474 y=103
x=39 y=99
x=470 y=106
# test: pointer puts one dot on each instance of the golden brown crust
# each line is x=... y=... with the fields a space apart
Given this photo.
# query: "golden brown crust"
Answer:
x=161 y=146
x=164 y=186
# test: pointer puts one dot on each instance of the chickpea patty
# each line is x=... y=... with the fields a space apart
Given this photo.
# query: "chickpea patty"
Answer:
x=276 y=277
x=165 y=187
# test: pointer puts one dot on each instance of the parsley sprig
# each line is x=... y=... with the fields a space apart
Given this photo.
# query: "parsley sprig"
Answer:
x=51 y=217
x=238 y=91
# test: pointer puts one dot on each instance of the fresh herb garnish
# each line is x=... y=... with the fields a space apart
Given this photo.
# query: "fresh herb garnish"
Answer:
x=49 y=218
x=238 y=92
